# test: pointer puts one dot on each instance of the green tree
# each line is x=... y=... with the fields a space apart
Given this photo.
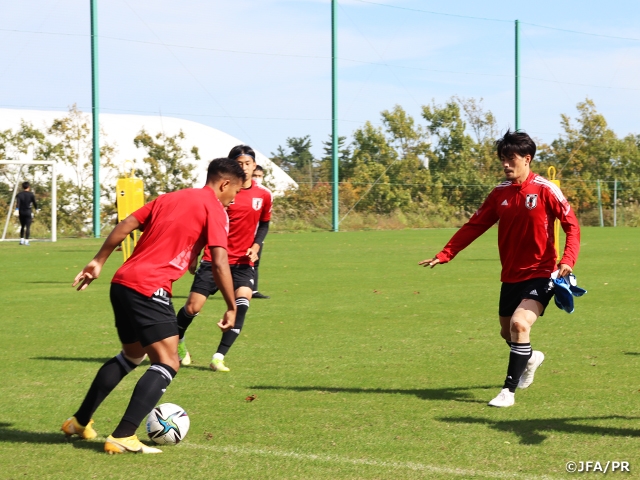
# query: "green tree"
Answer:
x=298 y=162
x=587 y=151
x=72 y=149
x=345 y=165
x=166 y=166
x=458 y=172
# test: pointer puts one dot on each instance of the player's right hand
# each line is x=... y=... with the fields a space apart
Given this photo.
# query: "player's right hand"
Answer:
x=430 y=262
x=87 y=275
x=228 y=320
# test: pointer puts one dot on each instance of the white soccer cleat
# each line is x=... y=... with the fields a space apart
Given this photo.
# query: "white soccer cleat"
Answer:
x=504 y=399
x=534 y=362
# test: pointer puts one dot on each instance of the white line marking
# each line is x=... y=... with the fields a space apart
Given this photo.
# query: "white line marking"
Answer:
x=362 y=461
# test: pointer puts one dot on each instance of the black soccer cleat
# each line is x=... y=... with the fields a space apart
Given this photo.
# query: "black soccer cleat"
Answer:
x=259 y=295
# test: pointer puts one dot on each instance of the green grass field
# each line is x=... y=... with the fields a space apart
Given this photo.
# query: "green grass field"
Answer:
x=364 y=366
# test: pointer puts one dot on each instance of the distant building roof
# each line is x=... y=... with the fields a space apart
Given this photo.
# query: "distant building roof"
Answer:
x=120 y=130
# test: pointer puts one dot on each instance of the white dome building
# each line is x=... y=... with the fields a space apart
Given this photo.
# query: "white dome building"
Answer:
x=120 y=130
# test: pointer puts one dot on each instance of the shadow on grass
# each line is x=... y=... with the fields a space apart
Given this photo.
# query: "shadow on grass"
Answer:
x=8 y=434
x=635 y=354
x=74 y=359
x=532 y=432
x=456 y=394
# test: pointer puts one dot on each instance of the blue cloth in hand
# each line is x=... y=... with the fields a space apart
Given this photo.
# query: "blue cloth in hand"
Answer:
x=565 y=289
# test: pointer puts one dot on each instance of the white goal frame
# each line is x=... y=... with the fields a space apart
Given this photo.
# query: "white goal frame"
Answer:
x=54 y=197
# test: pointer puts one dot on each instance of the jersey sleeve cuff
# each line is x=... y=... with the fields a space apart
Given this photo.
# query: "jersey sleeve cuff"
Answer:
x=567 y=262
x=442 y=257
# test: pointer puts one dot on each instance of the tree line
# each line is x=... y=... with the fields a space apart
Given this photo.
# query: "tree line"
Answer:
x=403 y=172
x=436 y=171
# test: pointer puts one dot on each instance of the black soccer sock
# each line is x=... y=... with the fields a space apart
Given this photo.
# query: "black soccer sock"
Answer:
x=184 y=320
x=145 y=397
x=518 y=358
x=230 y=336
x=105 y=381
x=509 y=343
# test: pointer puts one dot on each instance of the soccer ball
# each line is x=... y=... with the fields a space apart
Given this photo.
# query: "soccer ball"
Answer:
x=167 y=424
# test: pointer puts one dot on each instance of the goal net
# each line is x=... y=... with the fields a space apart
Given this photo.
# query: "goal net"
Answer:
x=42 y=177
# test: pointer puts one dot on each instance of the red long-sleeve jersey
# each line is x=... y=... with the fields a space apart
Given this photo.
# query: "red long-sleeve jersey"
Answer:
x=250 y=207
x=526 y=213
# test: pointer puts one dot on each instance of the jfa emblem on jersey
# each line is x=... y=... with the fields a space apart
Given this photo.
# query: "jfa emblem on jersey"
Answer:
x=531 y=201
x=257 y=203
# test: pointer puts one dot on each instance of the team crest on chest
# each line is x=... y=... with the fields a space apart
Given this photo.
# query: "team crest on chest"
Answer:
x=531 y=201
x=257 y=203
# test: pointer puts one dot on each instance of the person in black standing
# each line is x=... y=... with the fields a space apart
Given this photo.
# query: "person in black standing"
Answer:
x=23 y=205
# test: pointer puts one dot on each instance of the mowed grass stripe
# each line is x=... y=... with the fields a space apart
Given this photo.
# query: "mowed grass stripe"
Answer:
x=418 y=467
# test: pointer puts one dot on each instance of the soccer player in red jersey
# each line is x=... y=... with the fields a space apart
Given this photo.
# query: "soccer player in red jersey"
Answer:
x=249 y=217
x=258 y=176
x=526 y=206
x=176 y=227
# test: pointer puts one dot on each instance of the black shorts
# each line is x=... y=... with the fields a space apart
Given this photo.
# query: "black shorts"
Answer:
x=142 y=319
x=203 y=283
x=511 y=294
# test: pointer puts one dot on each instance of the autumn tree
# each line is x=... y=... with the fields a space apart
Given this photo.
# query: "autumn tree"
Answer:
x=168 y=166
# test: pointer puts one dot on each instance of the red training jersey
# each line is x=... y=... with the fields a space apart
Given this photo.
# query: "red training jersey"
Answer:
x=250 y=207
x=177 y=226
x=526 y=213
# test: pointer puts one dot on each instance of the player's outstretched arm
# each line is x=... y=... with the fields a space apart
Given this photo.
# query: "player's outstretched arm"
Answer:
x=224 y=281
x=115 y=238
x=429 y=262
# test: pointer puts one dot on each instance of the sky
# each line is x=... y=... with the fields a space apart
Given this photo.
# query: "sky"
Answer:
x=260 y=70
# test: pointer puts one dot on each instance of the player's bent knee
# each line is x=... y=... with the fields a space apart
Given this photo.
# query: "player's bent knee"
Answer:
x=192 y=309
x=519 y=327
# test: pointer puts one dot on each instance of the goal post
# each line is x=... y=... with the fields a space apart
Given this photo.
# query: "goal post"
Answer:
x=54 y=199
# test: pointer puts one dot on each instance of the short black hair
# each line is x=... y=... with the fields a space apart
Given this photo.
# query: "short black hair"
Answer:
x=25 y=185
x=240 y=150
x=225 y=167
x=516 y=142
x=259 y=168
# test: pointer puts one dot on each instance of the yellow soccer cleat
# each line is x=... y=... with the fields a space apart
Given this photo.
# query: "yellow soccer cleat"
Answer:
x=127 y=444
x=183 y=354
x=217 y=363
x=72 y=427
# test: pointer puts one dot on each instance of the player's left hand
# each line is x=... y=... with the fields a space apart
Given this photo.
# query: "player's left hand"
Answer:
x=87 y=275
x=228 y=321
x=564 y=270
x=252 y=252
